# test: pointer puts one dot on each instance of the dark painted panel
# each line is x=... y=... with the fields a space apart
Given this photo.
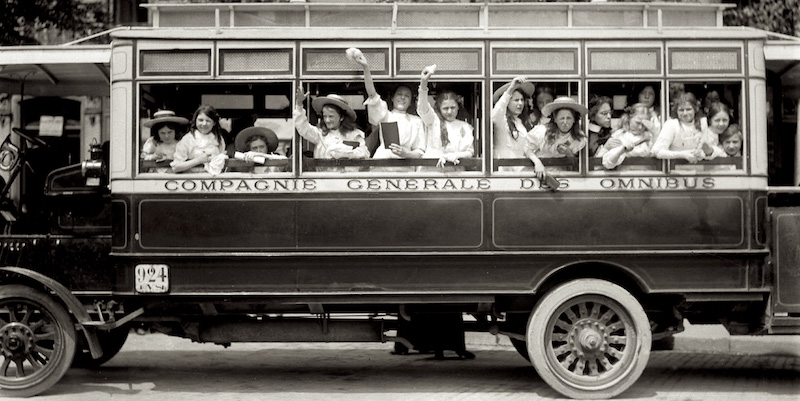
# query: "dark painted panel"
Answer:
x=209 y=224
x=119 y=223
x=635 y=221
x=435 y=274
x=393 y=223
x=787 y=259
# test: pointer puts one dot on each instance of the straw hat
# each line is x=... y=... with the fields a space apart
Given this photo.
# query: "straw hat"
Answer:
x=165 y=116
x=526 y=87
x=335 y=100
x=563 y=102
x=266 y=134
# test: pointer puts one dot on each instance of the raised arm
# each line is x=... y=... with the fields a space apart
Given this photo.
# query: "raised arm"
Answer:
x=424 y=108
x=356 y=55
x=499 y=109
x=301 y=124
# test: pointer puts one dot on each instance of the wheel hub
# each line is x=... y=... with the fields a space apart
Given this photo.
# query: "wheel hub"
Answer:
x=16 y=339
x=588 y=337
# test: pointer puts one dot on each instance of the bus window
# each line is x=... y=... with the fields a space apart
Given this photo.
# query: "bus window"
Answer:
x=513 y=121
x=609 y=103
x=240 y=106
x=705 y=110
x=351 y=99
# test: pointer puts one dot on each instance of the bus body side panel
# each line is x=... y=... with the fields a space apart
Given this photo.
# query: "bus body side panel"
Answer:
x=485 y=274
x=434 y=243
x=632 y=221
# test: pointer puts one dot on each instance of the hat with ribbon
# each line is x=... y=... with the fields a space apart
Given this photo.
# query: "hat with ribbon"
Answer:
x=165 y=116
x=267 y=135
x=335 y=100
x=563 y=102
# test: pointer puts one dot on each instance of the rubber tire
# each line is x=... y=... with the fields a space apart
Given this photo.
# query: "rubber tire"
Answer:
x=110 y=341
x=64 y=342
x=627 y=368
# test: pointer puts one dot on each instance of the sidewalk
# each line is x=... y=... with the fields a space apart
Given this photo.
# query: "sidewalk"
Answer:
x=696 y=338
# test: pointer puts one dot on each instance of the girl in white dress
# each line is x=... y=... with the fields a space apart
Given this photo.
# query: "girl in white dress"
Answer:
x=633 y=139
x=560 y=137
x=410 y=128
x=202 y=148
x=449 y=139
x=683 y=137
x=337 y=137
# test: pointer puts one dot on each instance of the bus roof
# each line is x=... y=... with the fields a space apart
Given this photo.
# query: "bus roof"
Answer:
x=441 y=21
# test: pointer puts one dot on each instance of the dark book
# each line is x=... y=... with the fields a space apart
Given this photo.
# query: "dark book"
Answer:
x=354 y=144
x=390 y=134
x=551 y=182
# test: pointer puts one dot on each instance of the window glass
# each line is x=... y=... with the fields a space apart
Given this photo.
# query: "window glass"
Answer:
x=623 y=122
x=705 y=131
x=251 y=130
x=534 y=120
x=341 y=130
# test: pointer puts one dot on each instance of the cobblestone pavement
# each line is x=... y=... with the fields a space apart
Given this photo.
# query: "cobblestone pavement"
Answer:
x=157 y=367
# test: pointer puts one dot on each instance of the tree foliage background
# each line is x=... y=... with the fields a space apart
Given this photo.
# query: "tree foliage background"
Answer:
x=30 y=22
x=781 y=16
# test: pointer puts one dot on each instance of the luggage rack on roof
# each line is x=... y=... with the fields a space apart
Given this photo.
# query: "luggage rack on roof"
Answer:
x=165 y=14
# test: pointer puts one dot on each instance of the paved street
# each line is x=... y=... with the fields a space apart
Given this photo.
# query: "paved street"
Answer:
x=708 y=366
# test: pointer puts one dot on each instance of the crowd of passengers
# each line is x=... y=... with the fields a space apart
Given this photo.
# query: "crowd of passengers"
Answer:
x=527 y=123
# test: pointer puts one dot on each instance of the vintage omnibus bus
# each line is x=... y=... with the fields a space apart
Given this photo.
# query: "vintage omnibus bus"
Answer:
x=584 y=279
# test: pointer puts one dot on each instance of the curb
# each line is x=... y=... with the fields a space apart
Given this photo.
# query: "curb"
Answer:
x=712 y=339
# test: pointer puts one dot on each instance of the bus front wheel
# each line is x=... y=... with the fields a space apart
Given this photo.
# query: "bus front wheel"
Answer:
x=37 y=341
x=589 y=338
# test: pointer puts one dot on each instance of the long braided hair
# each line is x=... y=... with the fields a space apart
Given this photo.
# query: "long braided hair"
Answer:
x=445 y=95
x=524 y=116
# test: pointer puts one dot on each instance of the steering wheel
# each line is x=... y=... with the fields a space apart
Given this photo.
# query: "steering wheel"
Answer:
x=33 y=139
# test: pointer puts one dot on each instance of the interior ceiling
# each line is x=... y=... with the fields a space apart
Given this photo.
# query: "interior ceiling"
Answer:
x=55 y=79
x=55 y=70
x=788 y=71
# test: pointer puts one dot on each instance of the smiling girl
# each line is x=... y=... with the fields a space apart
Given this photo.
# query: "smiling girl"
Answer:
x=682 y=138
x=202 y=145
x=409 y=126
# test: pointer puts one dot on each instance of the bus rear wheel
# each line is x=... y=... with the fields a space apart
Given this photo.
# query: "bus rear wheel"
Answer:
x=37 y=341
x=589 y=338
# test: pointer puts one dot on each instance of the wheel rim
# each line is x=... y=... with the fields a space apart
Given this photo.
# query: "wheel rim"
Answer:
x=30 y=339
x=590 y=342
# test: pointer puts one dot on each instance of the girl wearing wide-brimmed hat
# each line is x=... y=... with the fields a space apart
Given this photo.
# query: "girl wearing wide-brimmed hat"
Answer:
x=165 y=131
x=510 y=118
x=560 y=137
x=337 y=137
x=257 y=145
